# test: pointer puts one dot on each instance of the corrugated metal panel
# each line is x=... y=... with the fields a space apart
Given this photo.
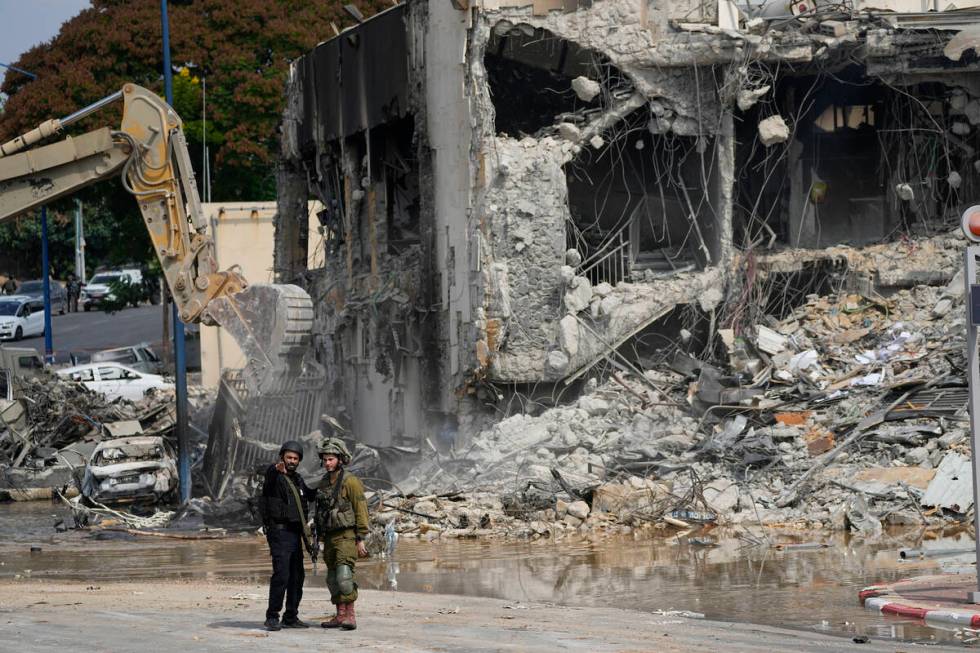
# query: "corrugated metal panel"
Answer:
x=952 y=486
x=242 y=426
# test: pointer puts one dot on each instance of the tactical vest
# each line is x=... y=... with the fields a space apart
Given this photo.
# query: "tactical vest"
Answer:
x=333 y=511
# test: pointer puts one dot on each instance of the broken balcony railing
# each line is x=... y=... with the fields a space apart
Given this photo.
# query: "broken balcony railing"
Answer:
x=611 y=262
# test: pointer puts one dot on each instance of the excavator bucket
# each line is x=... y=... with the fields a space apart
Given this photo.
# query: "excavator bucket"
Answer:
x=272 y=323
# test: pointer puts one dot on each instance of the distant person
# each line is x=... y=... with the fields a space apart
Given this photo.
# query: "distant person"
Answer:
x=342 y=525
x=74 y=290
x=10 y=286
x=284 y=513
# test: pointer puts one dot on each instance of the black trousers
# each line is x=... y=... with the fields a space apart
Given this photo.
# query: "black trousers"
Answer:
x=288 y=574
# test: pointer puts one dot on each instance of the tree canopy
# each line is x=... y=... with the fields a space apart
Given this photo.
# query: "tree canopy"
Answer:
x=240 y=49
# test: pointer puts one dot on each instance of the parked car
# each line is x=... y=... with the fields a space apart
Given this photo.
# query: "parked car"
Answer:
x=138 y=357
x=115 y=381
x=97 y=289
x=35 y=290
x=20 y=316
x=134 y=468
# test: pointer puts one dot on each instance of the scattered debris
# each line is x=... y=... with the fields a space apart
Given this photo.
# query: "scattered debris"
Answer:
x=773 y=130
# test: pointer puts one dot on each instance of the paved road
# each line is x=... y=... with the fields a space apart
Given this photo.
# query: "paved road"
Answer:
x=44 y=616
x=95 y=330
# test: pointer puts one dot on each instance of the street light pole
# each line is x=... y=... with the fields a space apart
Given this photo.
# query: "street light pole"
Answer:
x=79 y=243
x=46 y=270
x=180 y=360
x=971 y=229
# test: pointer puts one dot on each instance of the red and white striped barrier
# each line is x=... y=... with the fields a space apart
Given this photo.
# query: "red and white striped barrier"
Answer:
x=872 y=599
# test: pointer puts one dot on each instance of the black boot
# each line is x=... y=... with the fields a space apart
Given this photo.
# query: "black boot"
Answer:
x=294 y=623
x=272 y=623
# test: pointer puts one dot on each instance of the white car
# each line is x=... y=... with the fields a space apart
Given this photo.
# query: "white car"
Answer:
x=114 y=380
x=97 y=289
x=20 y=316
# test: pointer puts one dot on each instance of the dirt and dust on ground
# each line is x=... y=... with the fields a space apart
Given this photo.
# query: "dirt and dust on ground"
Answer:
x=215 y=616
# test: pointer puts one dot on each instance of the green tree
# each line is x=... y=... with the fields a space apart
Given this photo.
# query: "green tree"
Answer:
x=241 y=48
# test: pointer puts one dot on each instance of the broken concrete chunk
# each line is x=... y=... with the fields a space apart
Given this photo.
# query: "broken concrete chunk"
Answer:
x=579 y=509
x=917 y=456
x=954 y=180
x=833 y=28
x=770 y=341
x=942 y=307
x=597 y=141
x=749 y=96
x=958 y=100
x=573 y=258
x=568 y=335
x=905 y=192
x=595 y=308
x=557 y=362
x=569 y=132
x=756 y=25
x=561 y=508
x=602 y=289
x=710 y=298
x=861 y=519
x=585 y=88
x=721 y=494
x=773 y=130
x=567 y=273
x=578 y=295
x=972 y=111
x=593 y=405
x=608 y=304
x=961 y=128
x=965 y=40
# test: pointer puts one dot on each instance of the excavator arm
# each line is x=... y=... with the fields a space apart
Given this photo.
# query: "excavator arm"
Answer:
x=272 y=323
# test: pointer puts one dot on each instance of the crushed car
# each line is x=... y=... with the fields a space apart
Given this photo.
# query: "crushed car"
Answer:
x=139 y=468
x=115 y=381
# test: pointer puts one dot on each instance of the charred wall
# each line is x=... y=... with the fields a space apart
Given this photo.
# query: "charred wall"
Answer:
x=356 y=138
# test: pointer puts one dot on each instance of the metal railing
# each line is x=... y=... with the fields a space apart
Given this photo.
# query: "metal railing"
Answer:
x=611 y=263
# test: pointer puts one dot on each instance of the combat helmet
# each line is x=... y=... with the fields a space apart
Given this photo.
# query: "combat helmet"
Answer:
x=291 y=445
x=336 y=447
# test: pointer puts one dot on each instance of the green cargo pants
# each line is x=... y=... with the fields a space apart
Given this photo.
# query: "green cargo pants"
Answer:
x=340 y=549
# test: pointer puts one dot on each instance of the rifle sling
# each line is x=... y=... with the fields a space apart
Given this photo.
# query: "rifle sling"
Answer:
x=299 y=506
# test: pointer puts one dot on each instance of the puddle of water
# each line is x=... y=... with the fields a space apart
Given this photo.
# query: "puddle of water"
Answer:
x=808 y=589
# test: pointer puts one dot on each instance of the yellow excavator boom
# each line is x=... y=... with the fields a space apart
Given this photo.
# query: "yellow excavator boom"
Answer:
x=272 y=323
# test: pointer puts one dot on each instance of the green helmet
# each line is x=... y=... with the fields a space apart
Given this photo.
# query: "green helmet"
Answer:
x=336 y=447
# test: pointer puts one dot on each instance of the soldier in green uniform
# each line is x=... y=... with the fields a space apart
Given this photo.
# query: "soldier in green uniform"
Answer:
x=342 y=525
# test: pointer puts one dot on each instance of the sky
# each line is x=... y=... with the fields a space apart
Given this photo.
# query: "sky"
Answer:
x=25 y=23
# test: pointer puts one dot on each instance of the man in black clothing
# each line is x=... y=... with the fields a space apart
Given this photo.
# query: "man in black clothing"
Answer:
x=74 y=289
x=284 y=503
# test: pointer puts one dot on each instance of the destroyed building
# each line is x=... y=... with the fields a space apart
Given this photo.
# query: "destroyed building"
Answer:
x=514 y=191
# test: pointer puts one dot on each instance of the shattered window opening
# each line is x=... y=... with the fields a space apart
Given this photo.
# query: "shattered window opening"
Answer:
x=644 y=193
x=530 y=73
x=866 y=160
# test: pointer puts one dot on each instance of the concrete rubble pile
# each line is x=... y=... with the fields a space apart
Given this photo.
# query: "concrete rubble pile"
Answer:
x=49 y=433
x=847 y=413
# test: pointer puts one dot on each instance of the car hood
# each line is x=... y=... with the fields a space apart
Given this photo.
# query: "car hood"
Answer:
x=6 y=319
x=96 y=287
